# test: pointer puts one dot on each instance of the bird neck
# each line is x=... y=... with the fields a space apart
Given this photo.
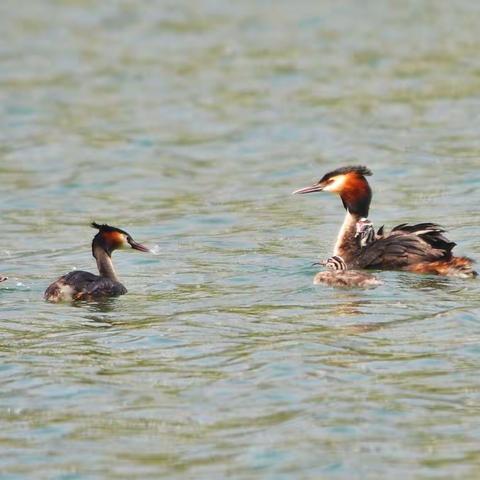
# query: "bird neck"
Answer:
x=356 y=196
x=104 y=263
x=347 y=245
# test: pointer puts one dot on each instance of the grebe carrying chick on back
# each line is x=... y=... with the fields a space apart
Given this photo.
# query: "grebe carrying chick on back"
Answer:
x=80 y=285
x=420 y=248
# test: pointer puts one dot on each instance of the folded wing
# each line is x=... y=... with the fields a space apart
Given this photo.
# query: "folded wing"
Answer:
x=406 y=245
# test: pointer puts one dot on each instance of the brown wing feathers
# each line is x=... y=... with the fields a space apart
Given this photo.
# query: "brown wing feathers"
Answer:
x=420 y=248
x=431 y=233
x=400 y=249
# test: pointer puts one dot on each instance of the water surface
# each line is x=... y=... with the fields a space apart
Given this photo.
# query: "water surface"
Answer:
x=188 y=124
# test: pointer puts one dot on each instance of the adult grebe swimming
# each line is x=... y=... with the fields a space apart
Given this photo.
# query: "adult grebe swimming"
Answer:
x=337 y=275
x=420 y=248
x=79 y=285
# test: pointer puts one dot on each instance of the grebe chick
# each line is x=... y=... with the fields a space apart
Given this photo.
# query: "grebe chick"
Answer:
x=420 y=248
x=79 y=285
x=365 y=232
x=337 y=275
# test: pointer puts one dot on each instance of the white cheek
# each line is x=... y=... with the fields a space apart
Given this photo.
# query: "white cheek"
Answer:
x=336 y=185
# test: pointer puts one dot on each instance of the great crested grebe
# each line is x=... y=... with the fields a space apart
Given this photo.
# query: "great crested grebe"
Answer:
x=3 y=278
x=79 y=285
x=420 y=248
x=337 y=275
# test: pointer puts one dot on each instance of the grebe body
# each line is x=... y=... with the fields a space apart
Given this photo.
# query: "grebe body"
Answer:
x=337 y=275
x=420 y=248
x=80 y=285
x=3 y=278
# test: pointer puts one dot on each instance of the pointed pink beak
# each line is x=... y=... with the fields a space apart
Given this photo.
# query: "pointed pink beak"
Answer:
x=313 y=188
x=138 y=246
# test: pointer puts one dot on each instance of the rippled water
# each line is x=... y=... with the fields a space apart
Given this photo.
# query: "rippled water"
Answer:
x=189 y=124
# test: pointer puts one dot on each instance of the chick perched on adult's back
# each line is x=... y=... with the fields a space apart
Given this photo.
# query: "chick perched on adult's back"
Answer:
x=337 y=275
x=365 y=232
x=420 y=248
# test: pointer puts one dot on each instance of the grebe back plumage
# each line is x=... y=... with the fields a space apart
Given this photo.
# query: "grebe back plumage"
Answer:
x=420 y=248
x=80 y=285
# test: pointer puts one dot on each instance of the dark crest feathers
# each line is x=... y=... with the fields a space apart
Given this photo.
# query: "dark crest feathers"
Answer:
x=358 y=169
x=107 y=228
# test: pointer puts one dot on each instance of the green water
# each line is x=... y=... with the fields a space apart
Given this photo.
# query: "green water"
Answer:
x=189 y=124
